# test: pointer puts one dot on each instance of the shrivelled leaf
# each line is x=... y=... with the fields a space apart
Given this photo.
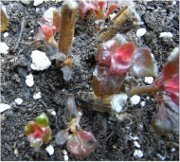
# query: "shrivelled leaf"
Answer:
x=81 y=144
x=62 y=136
x=167 y=118
x=100 y=9
x=121 y=60
x=104 y=83
x=4 y=18
x=144 y=63
x=42 y=120
x=171 y=68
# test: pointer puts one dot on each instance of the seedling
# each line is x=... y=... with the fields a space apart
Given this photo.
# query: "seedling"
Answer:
x=166 y=91
x=38 y=132
x=80 y=143
x=117 y=59
x=4 y=18
x=49 y=26
x=99 y=8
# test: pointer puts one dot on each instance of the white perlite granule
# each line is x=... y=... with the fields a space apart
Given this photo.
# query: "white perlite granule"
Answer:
x=50 y=150
x=140 y=32
x=29 y=80
x=39 y=60
x=4 y=49
x=135 y=100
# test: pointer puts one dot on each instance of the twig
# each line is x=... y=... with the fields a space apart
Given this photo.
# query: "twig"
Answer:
x=20 y=35
x=118 y=22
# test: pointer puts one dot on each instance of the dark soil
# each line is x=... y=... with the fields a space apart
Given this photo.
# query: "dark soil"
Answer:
x=113 y=136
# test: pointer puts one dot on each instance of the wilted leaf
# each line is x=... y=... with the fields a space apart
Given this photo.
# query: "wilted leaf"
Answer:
x=144 y=63
x=42 y=120
x=62 y=136
x=167 y=118
x=4 y=18
x=81 y=144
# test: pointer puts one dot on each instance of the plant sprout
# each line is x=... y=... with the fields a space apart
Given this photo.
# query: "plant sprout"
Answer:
x=80 y=143
x=115 y=60
x=166 y=91
x=99 y=8
x=38 y=131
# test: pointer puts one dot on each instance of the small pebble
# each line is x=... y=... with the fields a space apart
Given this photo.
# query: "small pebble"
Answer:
x=143 y=103
x=66 y=158
x=138 y=154
x=26 y=2
x=114 y=147
x=29 y=80
x=135 y=100
x=53 y=113
x=50 y=150
x=136 y=144
x=148 y=80
x=112 y=15
x=4 y=48
x=37 y=95
x=16 y=152
x=18 y=101
x=140 y=32
x=4 y=107
x=166 y=35
x=6 y=34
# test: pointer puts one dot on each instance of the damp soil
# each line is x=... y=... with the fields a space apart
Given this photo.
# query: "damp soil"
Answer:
x=114 y=137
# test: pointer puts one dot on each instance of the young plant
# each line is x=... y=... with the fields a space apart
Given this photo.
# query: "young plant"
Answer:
x=49 y=25
x=115 y=60
x=38 y=131
x=100 y=8
x=4 y=18
x=80 y=143
x=166 y=91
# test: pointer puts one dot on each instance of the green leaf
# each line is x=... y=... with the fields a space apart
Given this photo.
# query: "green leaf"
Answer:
x=144 y=63
x=42 y=120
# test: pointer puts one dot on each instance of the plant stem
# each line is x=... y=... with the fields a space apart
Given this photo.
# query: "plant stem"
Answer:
x=118 y=22
x=150 y=89
x=66 y=33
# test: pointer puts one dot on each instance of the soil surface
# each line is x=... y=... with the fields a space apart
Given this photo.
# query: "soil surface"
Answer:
x=114 y=137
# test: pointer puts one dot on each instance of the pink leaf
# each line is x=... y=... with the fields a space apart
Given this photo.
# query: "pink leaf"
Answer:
x=81 y=144
x=121 y=60
x=144 y=63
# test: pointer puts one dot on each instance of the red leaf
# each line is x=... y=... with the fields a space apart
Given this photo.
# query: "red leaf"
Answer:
x=81 y=144
x=172 y=66
x=47 y=30
x=105 y=83
x=121 y=60
x=167 y=118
